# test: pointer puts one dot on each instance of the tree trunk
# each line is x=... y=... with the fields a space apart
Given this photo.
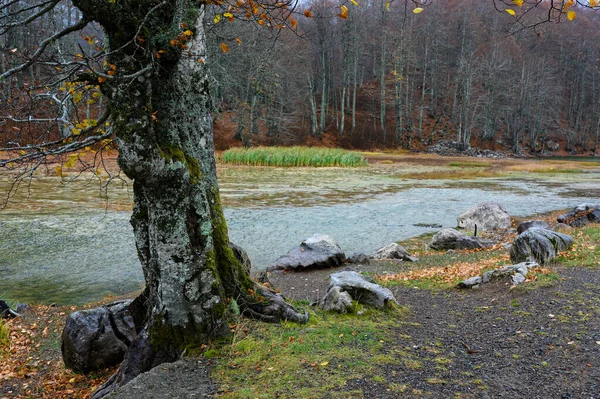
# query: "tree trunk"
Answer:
x=164 y=132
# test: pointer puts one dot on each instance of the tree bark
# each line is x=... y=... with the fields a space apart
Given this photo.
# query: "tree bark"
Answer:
x=164 y=132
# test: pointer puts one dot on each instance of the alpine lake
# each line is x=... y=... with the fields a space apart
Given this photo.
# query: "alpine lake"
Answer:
x=67 y=240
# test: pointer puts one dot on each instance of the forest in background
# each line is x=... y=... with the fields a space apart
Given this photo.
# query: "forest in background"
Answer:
x=386 y=78
x=374 y=76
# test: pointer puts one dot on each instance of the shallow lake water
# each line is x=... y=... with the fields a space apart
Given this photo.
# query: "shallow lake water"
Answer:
x=69 y=244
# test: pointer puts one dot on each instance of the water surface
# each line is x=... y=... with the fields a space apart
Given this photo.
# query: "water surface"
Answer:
x=72 y=243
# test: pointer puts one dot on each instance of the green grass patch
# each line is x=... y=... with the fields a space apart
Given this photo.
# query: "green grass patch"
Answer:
x=585 y=251
x=303 y=361
x=293 y=156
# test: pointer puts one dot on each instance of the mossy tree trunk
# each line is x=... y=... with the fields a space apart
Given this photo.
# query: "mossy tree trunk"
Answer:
x=159 y=94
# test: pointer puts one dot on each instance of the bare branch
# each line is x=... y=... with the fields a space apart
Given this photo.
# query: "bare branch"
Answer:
x=43 y=45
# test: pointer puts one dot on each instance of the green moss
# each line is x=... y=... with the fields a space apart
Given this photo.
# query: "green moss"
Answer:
x=176 y=154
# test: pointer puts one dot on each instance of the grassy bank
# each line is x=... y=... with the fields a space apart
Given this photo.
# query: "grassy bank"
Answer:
x=292 y=156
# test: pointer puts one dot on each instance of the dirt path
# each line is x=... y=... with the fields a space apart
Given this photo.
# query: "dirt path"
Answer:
x=494 y=342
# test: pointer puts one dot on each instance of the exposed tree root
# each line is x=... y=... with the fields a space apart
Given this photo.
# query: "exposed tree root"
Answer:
x=142 y=357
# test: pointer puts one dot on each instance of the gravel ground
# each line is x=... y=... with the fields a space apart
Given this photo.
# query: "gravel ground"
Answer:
x=495 y=342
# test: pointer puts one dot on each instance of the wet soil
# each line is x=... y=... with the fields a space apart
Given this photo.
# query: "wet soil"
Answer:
x=494 y=342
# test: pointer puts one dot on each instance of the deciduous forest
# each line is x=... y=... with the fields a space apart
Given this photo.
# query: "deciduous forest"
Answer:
x=387 y=77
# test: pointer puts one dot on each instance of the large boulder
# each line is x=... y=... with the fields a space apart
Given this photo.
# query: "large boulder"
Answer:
x=539 y=245
x=452 y=239
x=581 y=215
x=487 y=216
x=97 y=338
x=317 y=252
x=394 y=251
x=523 y=226
x=362 y=289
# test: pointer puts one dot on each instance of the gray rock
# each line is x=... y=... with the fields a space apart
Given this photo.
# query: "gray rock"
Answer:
x=362 y=289
x=523 y=226
x=242 y=256
x=97 y=338
x=317 y=252
x=359 y=258
x=581 y=215
x=394 y=251
x=471 y=282
x=539 y=245
x=336 y=300
x=517 y=279
x=487 y=276
x=186 y=378
x=452 y=239
x=487 y=216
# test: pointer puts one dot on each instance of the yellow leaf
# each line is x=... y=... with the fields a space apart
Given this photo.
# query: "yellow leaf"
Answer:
x=344 y=13
x=22 y=152
x=324 y=363
x=189 y=33
x=510 y=11
x=571 y=15
x=76 y=132
x=228 y=15
x=518 y=2
x=387 y=5
x=58 y=171
x=594 y=3
x=354 y=2
x=217 y=18
x=568 y=4
x=224 y=48
x=417 y=10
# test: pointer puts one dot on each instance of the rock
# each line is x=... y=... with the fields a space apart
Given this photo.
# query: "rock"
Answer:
x=452 y=239
x=185 y=378
x=336 y=300
x=6 y=312
x=394 y=251
x=359 y=258
x=22 y=307
x=581 y=215
x=362 y=289
x=470 y=283
x=97 y=338
x=539 y=245
x=487 y=216
x=563 y=228
x=516 y=272
x=317 y=252
x=428 y=225
x=487 y=276
x=242 y=256
x=532 y=223
x=517 y=279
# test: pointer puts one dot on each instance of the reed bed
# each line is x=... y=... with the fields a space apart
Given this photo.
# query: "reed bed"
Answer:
x=293 y=156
